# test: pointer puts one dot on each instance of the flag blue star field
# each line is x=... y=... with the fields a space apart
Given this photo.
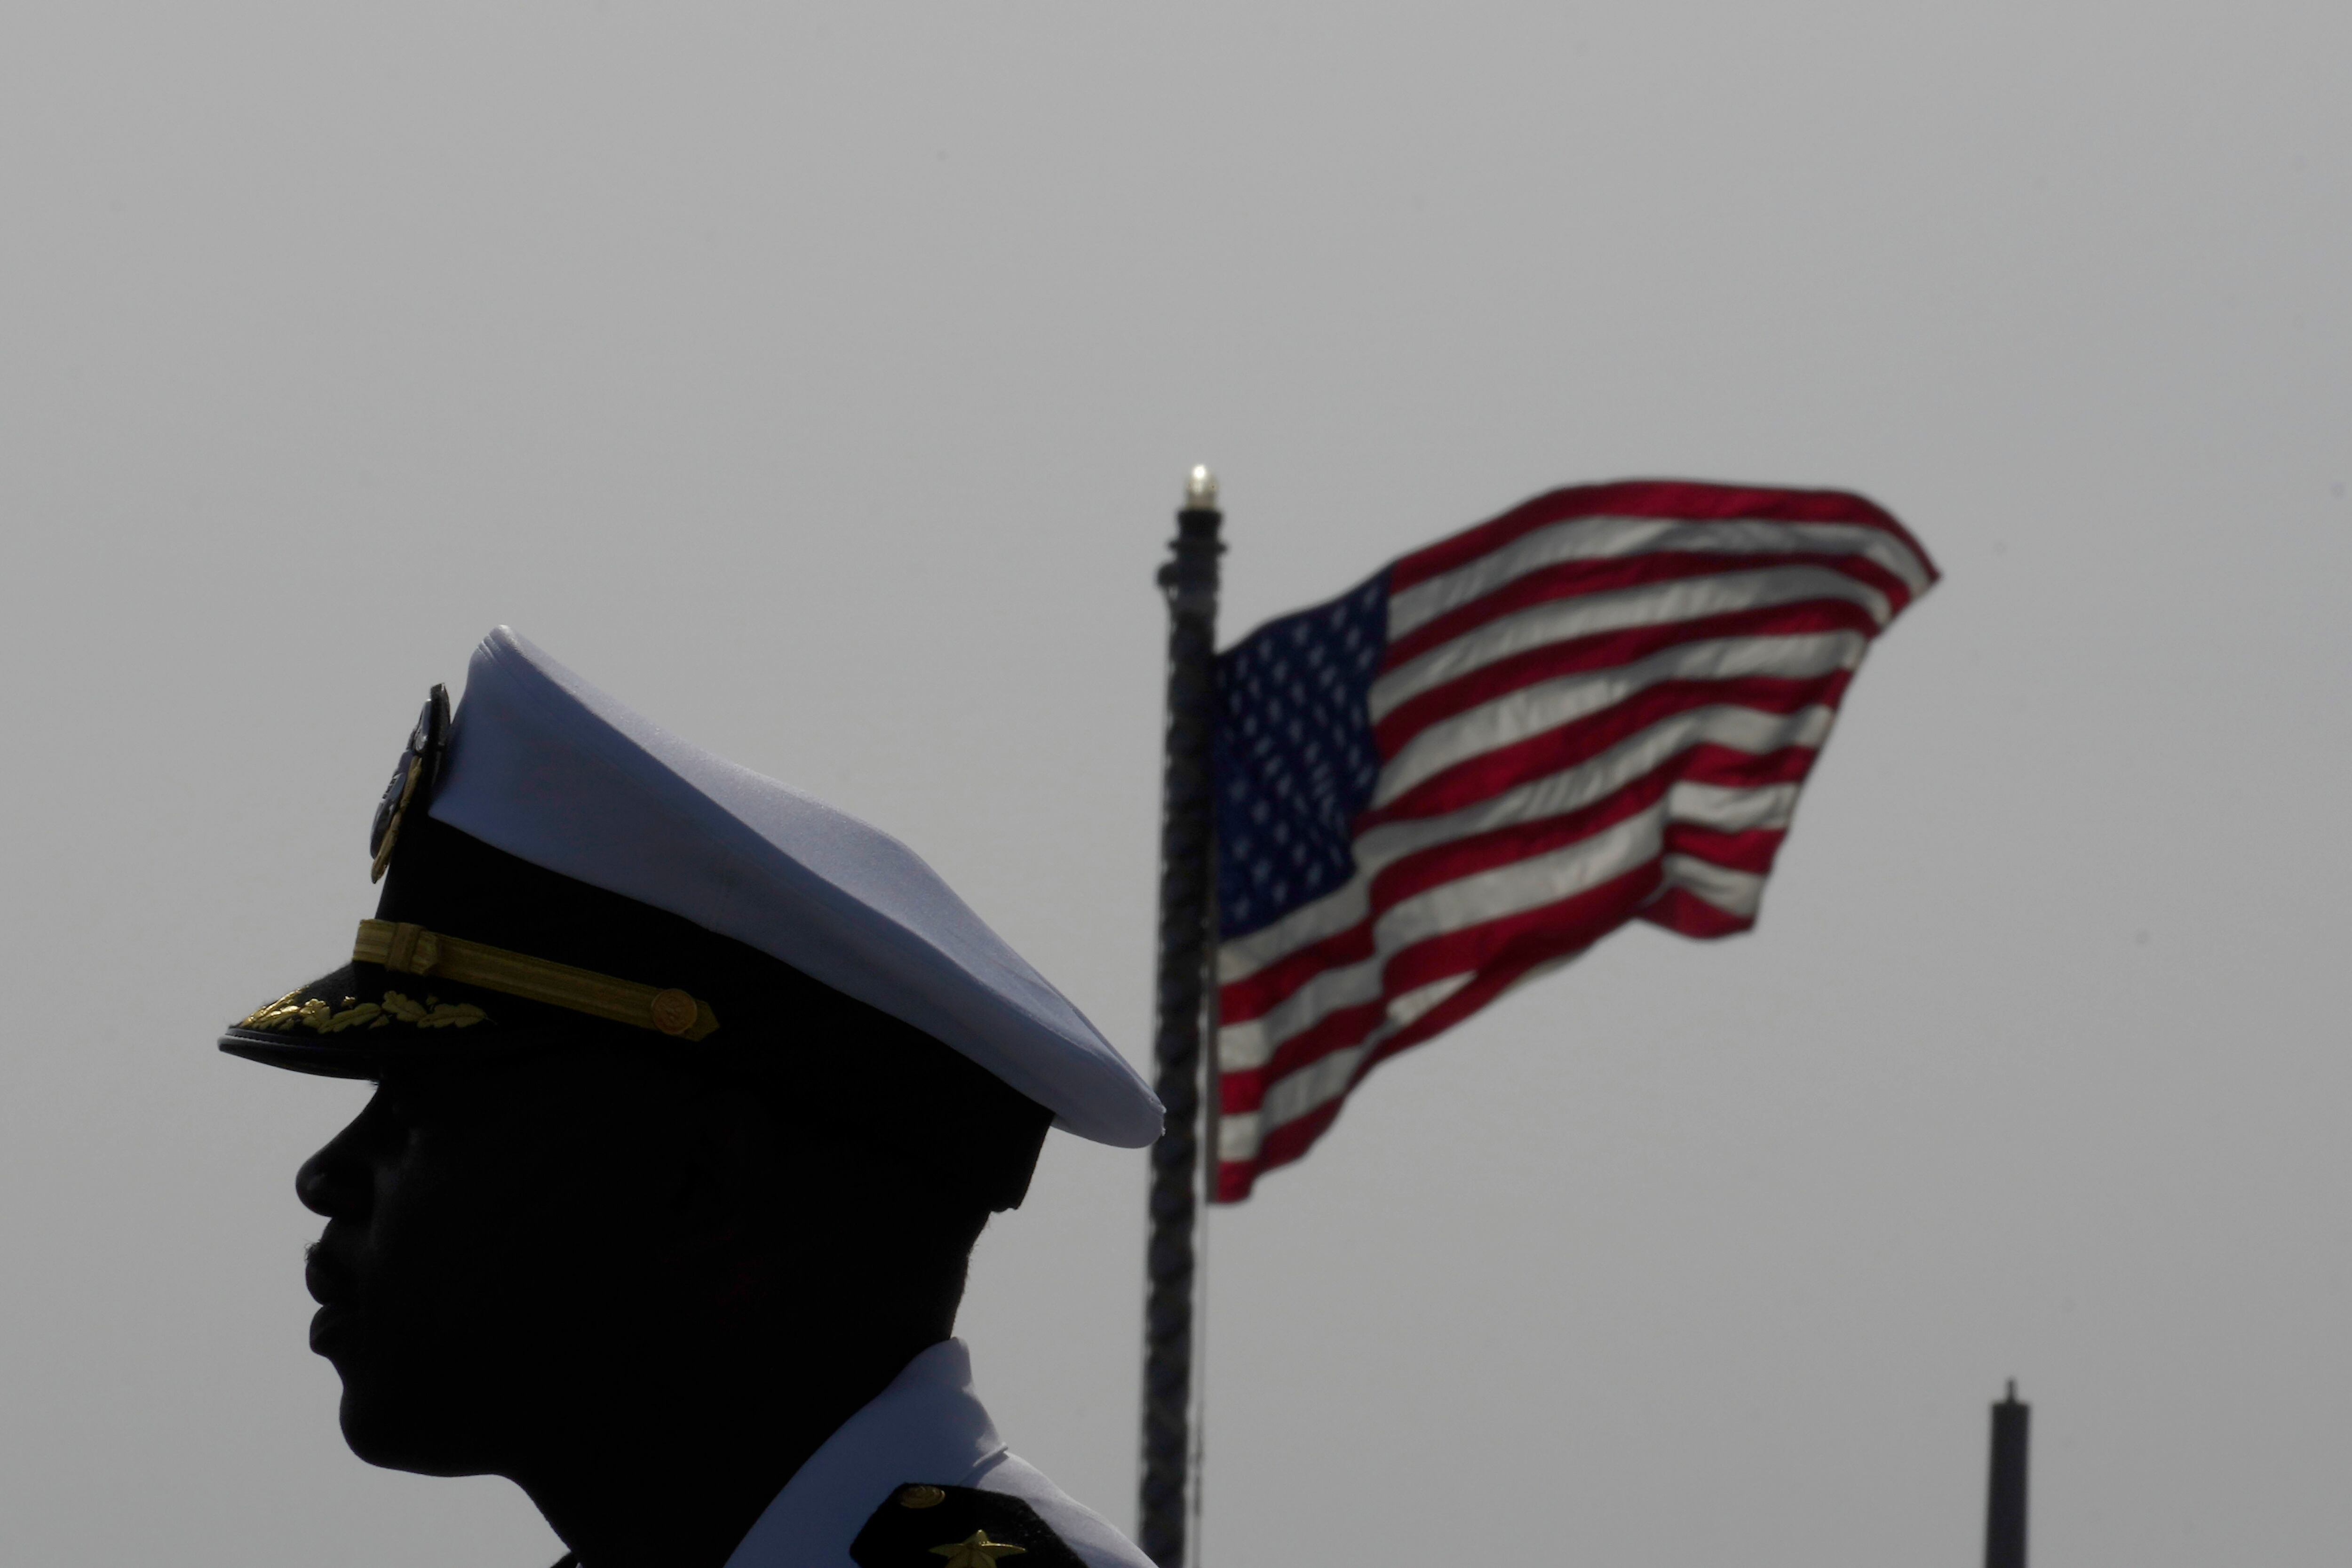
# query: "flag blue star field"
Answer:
x=1597 y=708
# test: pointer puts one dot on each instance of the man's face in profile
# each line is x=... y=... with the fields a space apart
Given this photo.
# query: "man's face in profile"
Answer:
x=482 y=1231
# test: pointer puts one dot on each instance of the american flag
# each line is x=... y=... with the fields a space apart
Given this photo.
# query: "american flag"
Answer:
x=1598 y=706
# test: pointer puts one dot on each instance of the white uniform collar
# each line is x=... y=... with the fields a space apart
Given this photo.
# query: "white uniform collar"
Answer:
x=927 y=1426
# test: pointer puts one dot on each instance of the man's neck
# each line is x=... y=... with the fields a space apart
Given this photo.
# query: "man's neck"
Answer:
x=675 y=1474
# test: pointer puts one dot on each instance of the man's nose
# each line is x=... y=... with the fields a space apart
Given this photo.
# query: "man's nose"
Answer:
x=332 y=1181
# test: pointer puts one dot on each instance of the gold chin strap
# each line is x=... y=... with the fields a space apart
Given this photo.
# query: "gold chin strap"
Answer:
x=407 y=948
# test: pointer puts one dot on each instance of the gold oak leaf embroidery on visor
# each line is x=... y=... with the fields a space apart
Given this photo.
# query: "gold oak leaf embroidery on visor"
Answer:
x=316 y=1014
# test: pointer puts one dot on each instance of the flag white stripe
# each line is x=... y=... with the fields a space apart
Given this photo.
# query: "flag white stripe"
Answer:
x=1728 y=725
x=1728 y=810
x=1240 y=1134
x=1739 y=893
x=1243 y=1046
x=1602 y=538
x=1315 y=1085
x=1335 y=911
x=1463 y=881
x=1326 y=1078
x=1408 y=1008
x=1650 y=605
x=1530 y=711
x=1465 y=901
x=1522 y=885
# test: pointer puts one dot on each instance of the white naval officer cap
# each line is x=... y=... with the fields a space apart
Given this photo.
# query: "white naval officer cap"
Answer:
x=551 y=774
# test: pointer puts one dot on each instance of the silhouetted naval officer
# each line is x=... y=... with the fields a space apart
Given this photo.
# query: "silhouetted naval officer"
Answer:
x=694 y=1094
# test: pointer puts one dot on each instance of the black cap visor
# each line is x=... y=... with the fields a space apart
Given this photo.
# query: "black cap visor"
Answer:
x=361 y=1021
x=813 y=1052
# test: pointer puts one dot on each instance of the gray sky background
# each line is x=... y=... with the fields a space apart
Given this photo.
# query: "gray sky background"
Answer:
x=820 y=379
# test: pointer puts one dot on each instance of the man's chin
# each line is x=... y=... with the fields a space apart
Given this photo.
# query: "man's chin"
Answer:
x=395 y=1433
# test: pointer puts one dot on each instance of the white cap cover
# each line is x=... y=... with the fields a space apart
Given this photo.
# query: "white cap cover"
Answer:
x=551 y=770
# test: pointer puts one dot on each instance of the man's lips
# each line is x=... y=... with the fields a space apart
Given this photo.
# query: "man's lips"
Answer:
x=331 y=1286
x=329 y=1283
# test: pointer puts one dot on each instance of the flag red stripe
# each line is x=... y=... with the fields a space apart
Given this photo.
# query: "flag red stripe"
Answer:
x=1259 y=993
x=1578 y=579
x=1450 y=860
x=1683 y=912
x=1589 y=915
x=1646 y=497
x=1750 y=851
x=1489 y=774
x=1710 y=763
x=1482 y=946
x=1525 y=952
x=1281 y=1146
x=1607 y=650
x=1468 y=856
x=1336 y=1031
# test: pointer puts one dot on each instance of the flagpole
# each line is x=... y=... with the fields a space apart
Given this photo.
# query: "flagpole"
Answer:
x=1189 y=579
x=2005 y=1494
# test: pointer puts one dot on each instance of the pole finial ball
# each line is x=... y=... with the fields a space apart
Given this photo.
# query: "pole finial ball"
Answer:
x=1200 y=489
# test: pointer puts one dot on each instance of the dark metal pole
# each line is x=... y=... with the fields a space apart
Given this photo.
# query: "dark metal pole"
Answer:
x=1190 y=582
x=2005 y=1504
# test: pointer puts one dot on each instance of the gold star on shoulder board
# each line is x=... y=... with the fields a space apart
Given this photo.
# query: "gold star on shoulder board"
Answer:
x=977 y=1551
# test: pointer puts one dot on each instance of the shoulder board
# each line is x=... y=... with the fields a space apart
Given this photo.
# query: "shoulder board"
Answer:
x=926 y=1526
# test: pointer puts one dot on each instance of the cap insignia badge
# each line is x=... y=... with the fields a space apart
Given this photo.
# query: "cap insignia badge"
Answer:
x=412 y=779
